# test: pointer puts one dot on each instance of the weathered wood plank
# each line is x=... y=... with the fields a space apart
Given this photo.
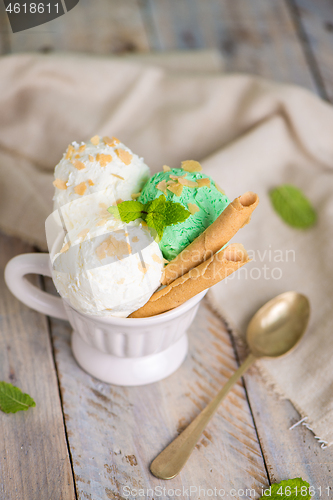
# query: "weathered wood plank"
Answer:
x=34 y=461
x=256 y=37
x=98 y=28
x=287 y=453
x=315 y=22
x=114 y=432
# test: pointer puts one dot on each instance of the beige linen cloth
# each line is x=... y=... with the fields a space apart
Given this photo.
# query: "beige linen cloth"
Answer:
x=250 y=134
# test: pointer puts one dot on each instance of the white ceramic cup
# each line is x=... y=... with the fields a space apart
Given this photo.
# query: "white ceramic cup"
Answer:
x=121 y=351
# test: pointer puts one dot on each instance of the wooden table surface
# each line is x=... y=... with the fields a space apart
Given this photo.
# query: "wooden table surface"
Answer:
x=89 y=440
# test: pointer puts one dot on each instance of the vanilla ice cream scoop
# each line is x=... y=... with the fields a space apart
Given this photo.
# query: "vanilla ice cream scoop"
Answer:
x=105 y=267
x=102 y=165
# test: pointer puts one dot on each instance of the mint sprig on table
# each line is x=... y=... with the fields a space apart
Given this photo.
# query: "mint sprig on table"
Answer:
x=12 y=399
x=293 y=207
x=291 y=489
x=158 y=214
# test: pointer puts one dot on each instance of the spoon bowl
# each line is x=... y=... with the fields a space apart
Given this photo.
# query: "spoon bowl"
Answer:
x=278 y=326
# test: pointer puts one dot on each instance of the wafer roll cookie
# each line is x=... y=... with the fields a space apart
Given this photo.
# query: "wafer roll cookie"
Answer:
x=207 y=274
x=235 y=216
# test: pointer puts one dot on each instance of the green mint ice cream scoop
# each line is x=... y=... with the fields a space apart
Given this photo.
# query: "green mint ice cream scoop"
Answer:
x=205 y=202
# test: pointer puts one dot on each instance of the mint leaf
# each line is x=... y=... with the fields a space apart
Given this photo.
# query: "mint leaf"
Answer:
x=127 y=210
x=158 y=213
x=154 y=221
x=12 y=399
x=156 y=206
x=291 y=489
x=292 y=206
x=175 y=213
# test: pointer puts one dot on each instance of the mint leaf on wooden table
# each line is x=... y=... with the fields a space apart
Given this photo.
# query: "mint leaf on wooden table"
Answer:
x=293 y=207
x=158 y=213
x=12 y=399
x=291 y=489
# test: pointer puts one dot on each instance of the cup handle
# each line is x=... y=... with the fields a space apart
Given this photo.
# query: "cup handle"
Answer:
x=30 y=295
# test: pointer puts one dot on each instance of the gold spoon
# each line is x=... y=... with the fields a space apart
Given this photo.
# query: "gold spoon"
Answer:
x=273 y=331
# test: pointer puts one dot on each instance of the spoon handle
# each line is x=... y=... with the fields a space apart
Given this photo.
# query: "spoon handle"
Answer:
x=173 y=458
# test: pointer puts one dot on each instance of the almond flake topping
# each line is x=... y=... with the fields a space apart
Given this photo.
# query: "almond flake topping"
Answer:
x=82 y=148
x=119 y=176
x=193 y=208
x=112 y=247
x=83 y=234
x=78 y=164
x=124 y=156
x=77 y=156
x=95 y=140
x=169 y=183
x=191 y=166
x=135 y=239
x=143 y=267
x=104 y=159
x=91 y=158
x=101 y=222
x=91 y=183
x=65 y=247
x=107 y=141
x=166 y=168
x=188 y=183
x=176 y=177
x=119 y=201
x=80 y=188
x=70 y=152
x=203 y=182
x=134 y=196
x=156 y=258
x=58 y=183
x=176 y=189
x=162 y=186
x=219 y=189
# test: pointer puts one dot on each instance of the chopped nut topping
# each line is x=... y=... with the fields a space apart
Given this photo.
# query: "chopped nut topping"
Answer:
x=58 y=183
x=203 y=182
x=169 y=183
x=78 y=164
x=77 y=156
x=103 y=159
x=107 y=141
x=193 y=208
x=166 y=168
x=176 y=177
x=219 y=189
x=143 y=267
x=102 y=222
x=112 y=247
x=90 y=182
x=82 y=148
x=65 y=247
x=162 y=186
x=119 y=176
x=135 y=239
x=80 y=188
x=134 y=196
x=119 y=201
x=70 y=152
x=95 y=140
x=83 y=234
x=124 y=156
x=188 y=183
x=191 y=166
x=176 y=189
x=156 y=258
x=91 y=158
x=115 y=140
